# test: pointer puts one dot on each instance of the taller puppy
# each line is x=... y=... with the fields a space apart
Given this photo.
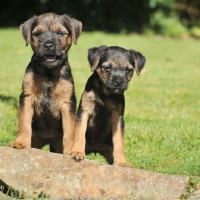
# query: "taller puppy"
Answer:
x=100 y=123
x=47 y=102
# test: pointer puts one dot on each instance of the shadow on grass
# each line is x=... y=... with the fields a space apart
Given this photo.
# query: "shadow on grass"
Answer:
x=9 y=100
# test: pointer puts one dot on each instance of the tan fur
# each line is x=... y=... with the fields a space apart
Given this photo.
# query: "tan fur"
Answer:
x=65 y=40
x=117 y=137
x=33 y=87
x=79 y=141
x=62 y=93
x=100 y=115
x=104 y=76
x=48 y=92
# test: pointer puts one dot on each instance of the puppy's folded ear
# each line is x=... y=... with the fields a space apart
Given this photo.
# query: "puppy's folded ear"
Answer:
x=27 y=27
x=139 y=60
x=74 y=26
x=94 y=55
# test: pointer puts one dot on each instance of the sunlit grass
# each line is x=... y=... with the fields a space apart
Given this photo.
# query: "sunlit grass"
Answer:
x=162 y=114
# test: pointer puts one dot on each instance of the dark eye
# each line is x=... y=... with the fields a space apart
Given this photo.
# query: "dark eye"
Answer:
x=107 y=68
x=37 y=34
x=129 y=70
x=60 y=34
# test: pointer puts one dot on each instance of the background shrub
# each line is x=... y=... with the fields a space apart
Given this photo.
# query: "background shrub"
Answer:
x=167 y=17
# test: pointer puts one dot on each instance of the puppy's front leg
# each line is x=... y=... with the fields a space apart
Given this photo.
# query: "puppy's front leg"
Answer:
x=118 y=140
x=26 y=111
x=78 y=151
x=85 y=109
x=68 y=128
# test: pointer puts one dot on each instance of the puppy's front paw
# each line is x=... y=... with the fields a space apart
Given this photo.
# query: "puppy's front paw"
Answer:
x=123 y=164
x=18 y=145
x=78 y=156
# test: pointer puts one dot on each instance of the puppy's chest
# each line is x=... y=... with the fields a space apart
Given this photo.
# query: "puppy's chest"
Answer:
x=101 y=117
x=99 y=129
x=47 y=99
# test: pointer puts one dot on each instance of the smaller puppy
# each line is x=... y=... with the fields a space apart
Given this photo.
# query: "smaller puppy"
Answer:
x=47 y=102
x=99 y=120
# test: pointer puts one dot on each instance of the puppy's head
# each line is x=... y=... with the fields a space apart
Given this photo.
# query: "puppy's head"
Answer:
x=50 y=36
x=115 y=66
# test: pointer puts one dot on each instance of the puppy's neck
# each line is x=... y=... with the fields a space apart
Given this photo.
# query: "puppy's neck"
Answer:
x=37 y=68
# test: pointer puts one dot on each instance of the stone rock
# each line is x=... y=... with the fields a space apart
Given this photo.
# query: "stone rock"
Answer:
x=195 y=195
x=32 y=173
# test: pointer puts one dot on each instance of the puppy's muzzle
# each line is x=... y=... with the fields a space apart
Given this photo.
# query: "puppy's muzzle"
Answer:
x=49 y=49
x=49 y=46
x=117 y=84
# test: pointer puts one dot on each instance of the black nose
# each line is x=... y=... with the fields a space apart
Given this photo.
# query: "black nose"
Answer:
x=48 y=46
x=118 y=82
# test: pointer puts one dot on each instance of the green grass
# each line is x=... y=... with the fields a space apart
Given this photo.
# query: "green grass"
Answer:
x=162 y=115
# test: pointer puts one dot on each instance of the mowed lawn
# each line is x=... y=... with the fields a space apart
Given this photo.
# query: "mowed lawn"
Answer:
x=162 y=115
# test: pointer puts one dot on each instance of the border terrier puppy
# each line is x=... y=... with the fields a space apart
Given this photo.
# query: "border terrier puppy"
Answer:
x=47 y=102
x=99 y=121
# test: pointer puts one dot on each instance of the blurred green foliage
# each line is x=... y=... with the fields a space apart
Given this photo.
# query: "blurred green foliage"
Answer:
x=167 y=25
x=174 y=17
x=166 y=17
x=195 y=31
